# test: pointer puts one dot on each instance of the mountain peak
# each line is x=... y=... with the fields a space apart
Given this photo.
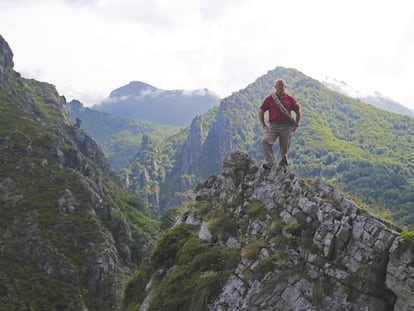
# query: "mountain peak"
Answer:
x=139 y=100
x=134 y=88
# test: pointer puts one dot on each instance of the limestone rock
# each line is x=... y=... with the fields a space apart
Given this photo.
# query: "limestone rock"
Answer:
x=304 y=244
x=6 y=61
x=6 y=56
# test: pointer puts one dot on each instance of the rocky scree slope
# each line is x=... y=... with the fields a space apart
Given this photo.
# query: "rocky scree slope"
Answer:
x=69 y=234
x=268 y=240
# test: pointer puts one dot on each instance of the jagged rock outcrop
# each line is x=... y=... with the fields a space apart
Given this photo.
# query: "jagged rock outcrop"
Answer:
x=192 y=148
x=179 y=183
x=6 y=56
x=302 y=244
x=6 y=61
x=143 y=175
x=400 y=274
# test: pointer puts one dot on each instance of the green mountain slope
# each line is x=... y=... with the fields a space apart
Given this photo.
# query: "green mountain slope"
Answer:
x=367 y=151
x=69 y=234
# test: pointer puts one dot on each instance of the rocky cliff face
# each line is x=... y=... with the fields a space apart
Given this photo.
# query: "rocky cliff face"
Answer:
x=179 y=183
x=280 y=243
x=69 y=234
x=143 y=176
x=165 y=175
x=192 y=148
x=6 y=57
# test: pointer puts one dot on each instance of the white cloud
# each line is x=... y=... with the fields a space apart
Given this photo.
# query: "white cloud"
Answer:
x=89 y=48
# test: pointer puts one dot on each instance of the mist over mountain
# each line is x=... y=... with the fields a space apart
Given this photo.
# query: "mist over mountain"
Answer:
x=138 y=100
x=376 y=98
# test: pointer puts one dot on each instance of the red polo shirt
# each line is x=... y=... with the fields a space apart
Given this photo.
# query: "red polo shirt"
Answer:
x=275 y=115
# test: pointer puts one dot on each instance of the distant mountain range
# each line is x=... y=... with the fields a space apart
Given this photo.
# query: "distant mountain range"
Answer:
x=139 y=100
x=118 y=137
x=376 y=98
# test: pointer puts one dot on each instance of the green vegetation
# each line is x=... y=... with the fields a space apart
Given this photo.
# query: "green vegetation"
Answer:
x=223 y=226
x=198 y=276
x=365 y=150
x=137 y=212
x=408 y=236
x=135 y=290
x=169 y=244
x=277 y=260
x=26 y=288
x=403 y=248
x=256 y=210
x=195 y=271
x=252 y=250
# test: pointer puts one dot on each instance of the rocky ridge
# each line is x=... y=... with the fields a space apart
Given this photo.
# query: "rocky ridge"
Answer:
x=302 y=245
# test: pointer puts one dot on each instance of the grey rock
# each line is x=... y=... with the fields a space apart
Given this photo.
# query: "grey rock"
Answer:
x=6 y=58
x=343 y=264
x=204 y=233
x=316 y=249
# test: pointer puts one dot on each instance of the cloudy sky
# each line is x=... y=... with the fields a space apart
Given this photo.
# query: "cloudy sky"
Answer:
x=87 y=48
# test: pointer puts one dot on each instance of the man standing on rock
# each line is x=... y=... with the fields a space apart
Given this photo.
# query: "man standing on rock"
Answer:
x=281 y=123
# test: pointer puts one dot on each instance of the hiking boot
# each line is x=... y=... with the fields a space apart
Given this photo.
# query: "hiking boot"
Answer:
x=268 y=165
x=283 y=162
